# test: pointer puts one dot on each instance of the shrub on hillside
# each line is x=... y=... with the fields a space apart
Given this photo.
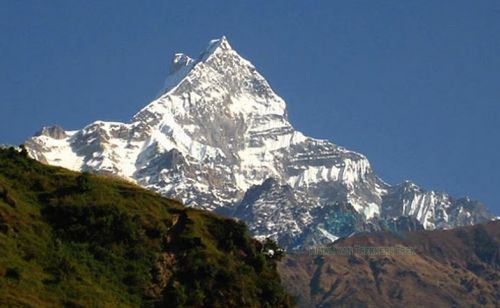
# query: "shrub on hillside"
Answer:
x=99 y=224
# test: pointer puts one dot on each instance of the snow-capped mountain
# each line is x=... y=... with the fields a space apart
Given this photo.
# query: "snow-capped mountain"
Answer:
x=218 y=138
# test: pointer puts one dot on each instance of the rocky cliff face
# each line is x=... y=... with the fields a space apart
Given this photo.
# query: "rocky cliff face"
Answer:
x=218 y=138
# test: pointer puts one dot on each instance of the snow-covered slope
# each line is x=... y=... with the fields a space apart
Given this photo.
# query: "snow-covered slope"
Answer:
x=218 y=137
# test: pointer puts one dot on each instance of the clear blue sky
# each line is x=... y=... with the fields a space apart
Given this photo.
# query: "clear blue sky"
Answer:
x=414 y=85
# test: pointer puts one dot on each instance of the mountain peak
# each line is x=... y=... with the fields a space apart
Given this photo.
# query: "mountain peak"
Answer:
x=179 y=61
x=55 y=131
x=181 y=64
x=221 y=43
x=215 y=46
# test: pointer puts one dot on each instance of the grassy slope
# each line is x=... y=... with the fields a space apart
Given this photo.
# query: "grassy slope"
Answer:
x=68 y=239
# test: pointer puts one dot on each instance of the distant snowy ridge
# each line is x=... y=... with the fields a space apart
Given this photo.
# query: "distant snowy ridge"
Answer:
x=218 y=137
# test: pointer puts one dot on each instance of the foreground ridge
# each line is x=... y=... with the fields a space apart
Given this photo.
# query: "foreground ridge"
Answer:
x=78 y=240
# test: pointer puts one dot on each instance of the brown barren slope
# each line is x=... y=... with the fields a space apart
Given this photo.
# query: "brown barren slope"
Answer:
x=452 y=268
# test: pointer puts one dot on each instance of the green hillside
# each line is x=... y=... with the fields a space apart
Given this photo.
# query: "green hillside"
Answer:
x=79 y=240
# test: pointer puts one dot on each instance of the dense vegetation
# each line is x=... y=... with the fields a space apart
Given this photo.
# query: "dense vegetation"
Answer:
x=72 y=239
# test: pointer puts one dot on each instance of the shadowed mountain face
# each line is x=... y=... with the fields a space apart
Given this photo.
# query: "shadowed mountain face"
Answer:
x=218 y=138
x=450 y=268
